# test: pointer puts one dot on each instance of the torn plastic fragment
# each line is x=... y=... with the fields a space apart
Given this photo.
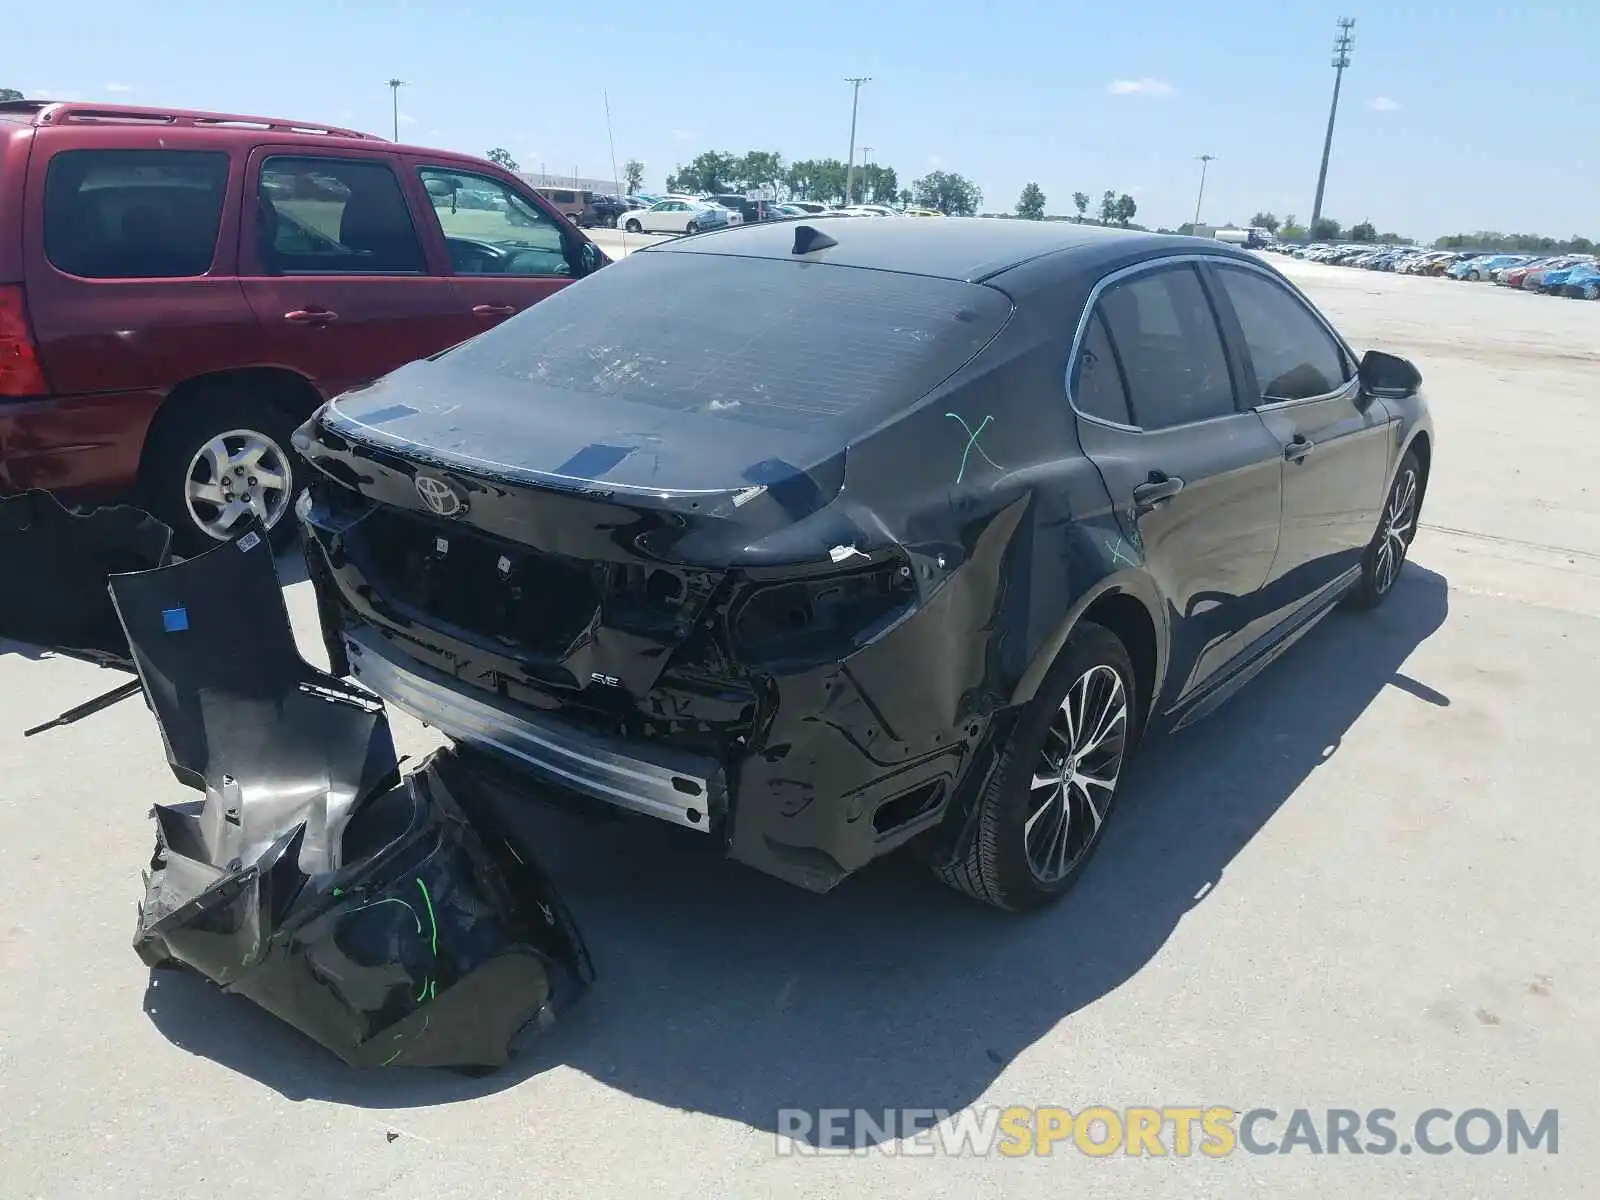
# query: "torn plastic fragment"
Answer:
x=393 y=923
x=840 y=553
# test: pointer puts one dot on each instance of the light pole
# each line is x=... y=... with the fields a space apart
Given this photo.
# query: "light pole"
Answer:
x=1205 y=161
x=855 y=82
x=394 y=89
x=1342 y=42
x=866 y=167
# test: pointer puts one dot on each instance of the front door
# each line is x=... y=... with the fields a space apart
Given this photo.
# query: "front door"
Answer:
x=1197 y=482
x=332 y=263
x=1336 y=443
x=505 y=251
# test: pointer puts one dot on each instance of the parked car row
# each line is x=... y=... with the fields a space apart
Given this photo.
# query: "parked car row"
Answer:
x=1574 y=275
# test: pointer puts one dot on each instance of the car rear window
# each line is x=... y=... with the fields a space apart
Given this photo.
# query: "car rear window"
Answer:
x=134 y=214
x=792 y=346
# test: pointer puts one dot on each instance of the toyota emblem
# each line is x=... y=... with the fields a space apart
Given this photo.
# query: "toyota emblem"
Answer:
x=439 y=496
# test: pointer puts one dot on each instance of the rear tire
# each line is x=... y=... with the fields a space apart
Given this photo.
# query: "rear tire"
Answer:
x=633 y=227
x=196 y=473
x=1386 y=554
x=1038 y=821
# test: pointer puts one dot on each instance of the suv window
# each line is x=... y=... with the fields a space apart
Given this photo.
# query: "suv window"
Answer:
x=134 y=214
x=1164 y=334
x=558 y=196
x=326 y=216
x=491 y=230
x=1098 y=389
x=1294 y=356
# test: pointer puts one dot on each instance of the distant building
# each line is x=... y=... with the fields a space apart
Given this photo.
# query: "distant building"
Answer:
x=606 y=187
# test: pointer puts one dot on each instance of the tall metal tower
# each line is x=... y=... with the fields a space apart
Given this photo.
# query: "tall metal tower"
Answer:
x=855 y=82
x=394 y=89
x=1204 y=160
x=1342 y=42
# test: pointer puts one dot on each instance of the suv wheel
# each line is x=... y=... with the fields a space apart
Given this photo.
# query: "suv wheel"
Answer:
x=1397 y=526
x=225 y=456
x=1041 y=817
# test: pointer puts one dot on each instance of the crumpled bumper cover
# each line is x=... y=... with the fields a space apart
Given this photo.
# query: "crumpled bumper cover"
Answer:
x=392 y=921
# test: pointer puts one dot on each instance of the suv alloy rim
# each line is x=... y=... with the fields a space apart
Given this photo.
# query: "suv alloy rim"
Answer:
x=234 y=474
x=1077 y=773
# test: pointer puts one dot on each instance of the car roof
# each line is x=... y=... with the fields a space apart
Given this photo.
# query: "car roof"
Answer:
x=965 y=248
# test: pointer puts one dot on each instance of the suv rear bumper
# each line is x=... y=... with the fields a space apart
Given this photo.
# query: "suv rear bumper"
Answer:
x=671 y=785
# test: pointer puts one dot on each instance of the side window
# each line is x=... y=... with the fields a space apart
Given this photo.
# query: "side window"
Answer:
x=491 y=230
x=1293 y=354
x=134 y=214
x=328 y=216
x=1097 y=386
x=1163 y=330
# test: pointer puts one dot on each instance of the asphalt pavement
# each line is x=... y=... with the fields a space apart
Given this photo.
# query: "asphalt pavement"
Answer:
x=1364 y=884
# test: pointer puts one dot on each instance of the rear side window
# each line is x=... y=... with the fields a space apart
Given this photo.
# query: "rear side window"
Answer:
x=134 y=214
x=1098 y=389
x=1161 y=325
x=1294 y=355
x=785 y=345
x=328 y=216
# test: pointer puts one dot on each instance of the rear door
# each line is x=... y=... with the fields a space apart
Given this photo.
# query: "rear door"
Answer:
x=335 y=268
x=505 y=250
x=1335 y=443
x=1197 y=482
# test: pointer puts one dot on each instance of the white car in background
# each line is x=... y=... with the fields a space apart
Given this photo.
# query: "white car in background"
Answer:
x=869 y=210
x=676 y=214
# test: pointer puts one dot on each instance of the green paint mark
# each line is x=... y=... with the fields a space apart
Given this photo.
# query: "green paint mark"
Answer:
x=972 y=443
x=433 y=989
x=391 y=1058
x=428 y=900
x=423 y=994
x=394 y=900
x=513 y=850
x=338 y=891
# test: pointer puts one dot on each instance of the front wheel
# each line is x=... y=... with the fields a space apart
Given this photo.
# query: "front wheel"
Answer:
x=1397 y=526
x=1041 y=817
x=691 y=228
x=633 y=227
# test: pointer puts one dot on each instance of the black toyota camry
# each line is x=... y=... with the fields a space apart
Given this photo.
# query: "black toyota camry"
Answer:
x=824 y=539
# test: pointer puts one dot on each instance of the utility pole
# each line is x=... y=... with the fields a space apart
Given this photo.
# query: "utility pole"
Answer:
x=866 y=167
x=1342 y=42
x=855 y=82
x=394 y=88
x=1205 y=160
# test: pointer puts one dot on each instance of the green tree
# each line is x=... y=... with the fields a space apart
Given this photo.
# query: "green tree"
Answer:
x=1325 y=229
x=952 y=194
x=711 y=171
x=501 y=157
x=1265 y=220
x=759 y=168
x=1291 y=228
x=633 y=172
x=819 y=179
x=1108 y=208
x=9 y=94
x=1080 y=201
x=876 y=184
x=1363 y=232
x=905 y=197
x=1127 y=209
x=1031 y=203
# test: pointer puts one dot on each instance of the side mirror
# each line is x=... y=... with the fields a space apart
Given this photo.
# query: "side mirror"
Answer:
x=590 y=259
x=1389 y=376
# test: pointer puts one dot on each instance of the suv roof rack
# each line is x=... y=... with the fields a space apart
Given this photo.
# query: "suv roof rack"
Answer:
x=63 y=112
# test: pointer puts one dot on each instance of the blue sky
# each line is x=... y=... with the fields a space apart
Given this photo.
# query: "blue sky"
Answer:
x=1437 y=132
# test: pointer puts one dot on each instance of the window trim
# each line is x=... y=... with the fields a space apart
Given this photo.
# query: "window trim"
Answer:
x=1352 y=362
x=1145 y=266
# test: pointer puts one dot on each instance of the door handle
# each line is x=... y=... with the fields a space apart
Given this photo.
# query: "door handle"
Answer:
x=1156 y=491
x=311 y=316
x=1299 y=446
x=493 y=310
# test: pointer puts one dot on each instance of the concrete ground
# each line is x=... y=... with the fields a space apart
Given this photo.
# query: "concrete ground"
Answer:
x=1363 y=884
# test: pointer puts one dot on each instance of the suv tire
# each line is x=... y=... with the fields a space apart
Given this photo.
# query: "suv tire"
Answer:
x=1016 y=822
x=222 y=427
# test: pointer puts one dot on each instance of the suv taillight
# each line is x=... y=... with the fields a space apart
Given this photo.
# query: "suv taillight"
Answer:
x=21 y=373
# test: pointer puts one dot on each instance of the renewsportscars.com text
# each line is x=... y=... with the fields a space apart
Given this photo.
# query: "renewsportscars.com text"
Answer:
x=1179 y=1131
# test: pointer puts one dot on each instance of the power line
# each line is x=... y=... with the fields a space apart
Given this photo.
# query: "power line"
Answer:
x=855 y=82
x=1205 y=160
x=394 y=88
x=1342 y=42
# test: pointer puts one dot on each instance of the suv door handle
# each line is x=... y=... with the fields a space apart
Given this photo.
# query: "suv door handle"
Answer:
x=311 y=316
x=493 y=310
x=1157 y=491
x=1299 y=446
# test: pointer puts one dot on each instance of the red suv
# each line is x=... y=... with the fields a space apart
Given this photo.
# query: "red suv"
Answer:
x=179 y=290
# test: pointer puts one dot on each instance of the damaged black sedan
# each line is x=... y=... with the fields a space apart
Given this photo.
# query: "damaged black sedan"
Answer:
x=822 y=543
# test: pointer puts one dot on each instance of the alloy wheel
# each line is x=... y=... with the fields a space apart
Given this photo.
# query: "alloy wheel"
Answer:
x=1398 y=528
x=233 y=475
x=1077 y=772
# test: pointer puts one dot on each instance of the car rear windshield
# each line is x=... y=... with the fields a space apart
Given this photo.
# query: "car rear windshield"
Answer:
x=787 y=345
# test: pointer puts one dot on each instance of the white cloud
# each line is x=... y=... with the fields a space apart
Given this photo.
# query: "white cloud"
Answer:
x=118 y=87
x=1140 y=87
x=935 y=161
x=51 y=93
x=682 y=135
x=407 y=119
x=434 y=133
x=1383 y=104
